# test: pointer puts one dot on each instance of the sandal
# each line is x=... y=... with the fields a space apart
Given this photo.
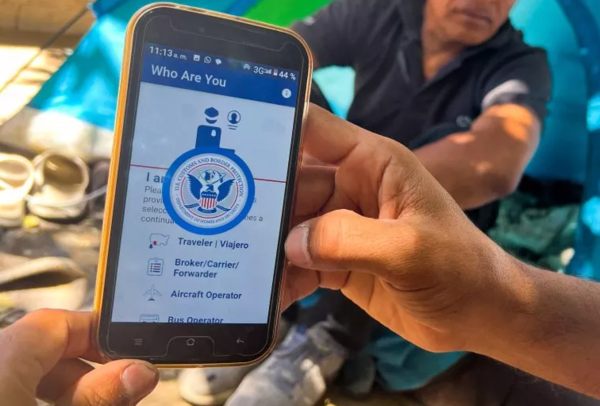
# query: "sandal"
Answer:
x=60 y=184
x=16 y=180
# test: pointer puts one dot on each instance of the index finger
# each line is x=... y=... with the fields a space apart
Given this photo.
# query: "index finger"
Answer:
x=41 y=339
x=328 y=138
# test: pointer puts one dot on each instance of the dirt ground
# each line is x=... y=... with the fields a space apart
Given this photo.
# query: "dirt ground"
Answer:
x=167 y=394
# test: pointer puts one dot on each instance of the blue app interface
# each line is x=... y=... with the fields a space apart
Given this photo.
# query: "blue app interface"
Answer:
x=205 y=193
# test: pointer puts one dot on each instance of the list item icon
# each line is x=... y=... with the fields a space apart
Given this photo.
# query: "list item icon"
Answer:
x=155 y=266
x=152 y=294
x=233 y=118
x=158 y=239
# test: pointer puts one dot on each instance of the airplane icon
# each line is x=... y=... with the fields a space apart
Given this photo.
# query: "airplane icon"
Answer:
x=152 y=292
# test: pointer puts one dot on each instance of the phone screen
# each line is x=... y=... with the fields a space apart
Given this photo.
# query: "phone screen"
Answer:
x=204 y=200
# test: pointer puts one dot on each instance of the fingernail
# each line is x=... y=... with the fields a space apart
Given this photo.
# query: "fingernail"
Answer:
x=139 y=379
x=296 y=246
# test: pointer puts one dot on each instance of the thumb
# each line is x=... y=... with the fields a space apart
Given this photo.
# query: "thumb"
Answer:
x=118 y=383
x=343 y=240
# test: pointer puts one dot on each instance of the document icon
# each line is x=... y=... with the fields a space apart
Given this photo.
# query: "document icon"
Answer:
x=155 y=266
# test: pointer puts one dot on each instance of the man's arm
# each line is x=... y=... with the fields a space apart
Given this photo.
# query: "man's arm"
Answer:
x=487 y=162
x=415 y=263
x=552 y=331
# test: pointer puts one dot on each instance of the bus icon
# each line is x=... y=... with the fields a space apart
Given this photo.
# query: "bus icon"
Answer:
x=149 y=318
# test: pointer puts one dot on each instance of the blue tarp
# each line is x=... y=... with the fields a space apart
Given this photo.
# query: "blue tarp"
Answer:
x=585 y=19
x=94 y=68
x=570 y=149
x=562 y=151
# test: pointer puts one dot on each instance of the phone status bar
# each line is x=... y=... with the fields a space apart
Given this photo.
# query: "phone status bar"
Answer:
x=219 y=61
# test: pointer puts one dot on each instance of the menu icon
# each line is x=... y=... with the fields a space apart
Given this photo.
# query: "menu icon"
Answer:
x=155 y=266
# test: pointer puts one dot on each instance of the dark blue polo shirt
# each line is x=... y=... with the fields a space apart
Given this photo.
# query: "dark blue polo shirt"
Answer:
x=381 y=40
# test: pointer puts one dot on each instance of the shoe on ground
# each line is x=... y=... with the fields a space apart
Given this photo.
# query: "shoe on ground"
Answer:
x=49 y=282
x=213 y=386
x=60 y=184
x=16 y=180
x=296 y=374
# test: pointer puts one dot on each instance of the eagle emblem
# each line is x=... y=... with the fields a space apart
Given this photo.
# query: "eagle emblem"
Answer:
x=210 y=189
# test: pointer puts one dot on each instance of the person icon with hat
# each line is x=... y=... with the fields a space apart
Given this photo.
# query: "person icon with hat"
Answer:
x=209 y=135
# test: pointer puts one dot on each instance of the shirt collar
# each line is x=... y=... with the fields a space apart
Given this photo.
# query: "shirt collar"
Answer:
x=412 y=16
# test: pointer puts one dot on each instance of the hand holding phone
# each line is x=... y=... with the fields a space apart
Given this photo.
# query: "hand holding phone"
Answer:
x=207 y=143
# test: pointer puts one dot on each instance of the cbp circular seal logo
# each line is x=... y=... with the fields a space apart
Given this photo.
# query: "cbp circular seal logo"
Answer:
x=208 y=190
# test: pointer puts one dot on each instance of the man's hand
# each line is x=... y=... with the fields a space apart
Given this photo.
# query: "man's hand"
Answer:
x=389 y=236
x=381 y=229
x=40 y=357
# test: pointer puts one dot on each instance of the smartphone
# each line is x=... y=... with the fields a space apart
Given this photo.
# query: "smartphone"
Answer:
x=206 y=151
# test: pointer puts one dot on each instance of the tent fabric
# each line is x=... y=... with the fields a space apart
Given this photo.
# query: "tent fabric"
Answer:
x=337 y=84
x=563 y=148
x=570 y=148
x=585 y=19
x=75 y=109
x=94 y=68
x=284 y=13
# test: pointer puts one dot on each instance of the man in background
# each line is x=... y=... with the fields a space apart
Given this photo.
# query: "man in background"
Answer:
x=453 y=81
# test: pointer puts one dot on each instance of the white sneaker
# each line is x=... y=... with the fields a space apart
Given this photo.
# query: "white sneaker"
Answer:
x=296 y=374
x=16 y=180
x=213 y=386
x=60 y=184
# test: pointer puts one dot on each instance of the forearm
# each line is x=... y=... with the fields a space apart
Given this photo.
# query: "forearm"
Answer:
x=546 y=324
x=470 y=183
x=487 y=162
